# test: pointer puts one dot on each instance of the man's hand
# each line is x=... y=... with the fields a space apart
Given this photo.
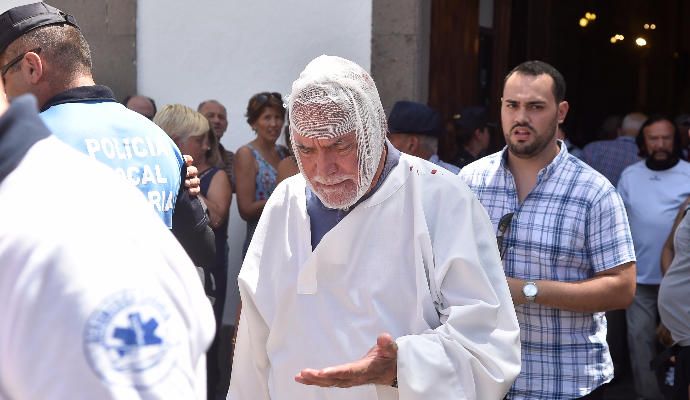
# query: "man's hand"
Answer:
x=192 y=182
x=379 y=366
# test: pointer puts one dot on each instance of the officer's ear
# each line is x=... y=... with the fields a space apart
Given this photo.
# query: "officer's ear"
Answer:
x=32 y=68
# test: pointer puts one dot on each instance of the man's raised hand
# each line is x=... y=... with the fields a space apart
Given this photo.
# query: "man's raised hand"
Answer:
x=378 y=366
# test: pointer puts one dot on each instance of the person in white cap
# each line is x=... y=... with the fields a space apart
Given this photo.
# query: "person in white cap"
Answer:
x=369 y=247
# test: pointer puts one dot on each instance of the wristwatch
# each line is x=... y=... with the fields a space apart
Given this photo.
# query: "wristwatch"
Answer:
x=530 y=290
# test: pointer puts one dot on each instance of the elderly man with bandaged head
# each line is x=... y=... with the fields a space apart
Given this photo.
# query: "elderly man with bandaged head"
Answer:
x=372 y=274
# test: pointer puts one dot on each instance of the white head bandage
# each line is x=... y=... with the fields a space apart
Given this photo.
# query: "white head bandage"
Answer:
x=333 y=97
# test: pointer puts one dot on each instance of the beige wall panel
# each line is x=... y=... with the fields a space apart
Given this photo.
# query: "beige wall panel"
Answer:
x=400 y=50
x=110 y=28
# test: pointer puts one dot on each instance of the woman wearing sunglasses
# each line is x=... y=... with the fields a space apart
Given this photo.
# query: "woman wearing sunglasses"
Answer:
x=256 y=162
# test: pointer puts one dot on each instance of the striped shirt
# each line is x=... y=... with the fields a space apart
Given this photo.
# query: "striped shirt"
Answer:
x=571 y=226
x=611 y=157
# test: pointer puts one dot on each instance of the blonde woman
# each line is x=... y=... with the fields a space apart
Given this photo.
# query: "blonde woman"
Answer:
x=192 y=133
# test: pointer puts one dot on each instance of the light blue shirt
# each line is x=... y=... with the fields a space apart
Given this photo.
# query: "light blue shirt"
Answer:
x=450 y=167
x=611 y=157
x=126 y=141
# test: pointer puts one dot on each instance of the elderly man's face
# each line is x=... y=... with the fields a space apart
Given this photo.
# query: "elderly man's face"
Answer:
x=331 y=166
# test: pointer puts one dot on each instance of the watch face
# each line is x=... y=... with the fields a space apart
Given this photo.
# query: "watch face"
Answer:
x=529 y=290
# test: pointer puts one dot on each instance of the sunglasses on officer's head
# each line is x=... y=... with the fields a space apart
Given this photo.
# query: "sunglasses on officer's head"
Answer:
x=6 y=67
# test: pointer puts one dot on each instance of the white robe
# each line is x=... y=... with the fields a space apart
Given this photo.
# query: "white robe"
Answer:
x=304 y=309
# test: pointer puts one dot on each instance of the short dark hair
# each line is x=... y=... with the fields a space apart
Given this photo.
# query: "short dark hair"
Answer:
x=536 y=68
x=62 y=45
x=260 y=101
x=654 y=118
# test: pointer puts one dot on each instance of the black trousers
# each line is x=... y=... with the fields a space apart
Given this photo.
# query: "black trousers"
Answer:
x=681 y=377
x=597 y=394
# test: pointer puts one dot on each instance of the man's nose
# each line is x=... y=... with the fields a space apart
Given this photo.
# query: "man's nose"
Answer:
x=324 y=164
x=521 y=115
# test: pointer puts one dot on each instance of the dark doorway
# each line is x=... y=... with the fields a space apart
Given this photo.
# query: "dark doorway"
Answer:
x=603 y=78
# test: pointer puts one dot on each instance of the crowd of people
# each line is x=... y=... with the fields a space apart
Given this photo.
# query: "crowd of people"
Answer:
x=372 y=269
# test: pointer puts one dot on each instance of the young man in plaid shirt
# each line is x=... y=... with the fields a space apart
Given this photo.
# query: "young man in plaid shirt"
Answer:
x=567 y=249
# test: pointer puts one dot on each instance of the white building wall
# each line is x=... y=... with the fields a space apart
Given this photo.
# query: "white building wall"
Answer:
x=231 y=49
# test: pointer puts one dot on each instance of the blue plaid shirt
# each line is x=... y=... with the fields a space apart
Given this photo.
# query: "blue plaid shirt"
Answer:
x=611 y=157
x=571 y=226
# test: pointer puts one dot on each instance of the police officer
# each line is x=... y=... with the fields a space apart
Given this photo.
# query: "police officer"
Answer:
x=43 y=52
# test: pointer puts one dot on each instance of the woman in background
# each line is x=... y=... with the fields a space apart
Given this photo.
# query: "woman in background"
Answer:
x=191 y=132
x=256 y=162
x=193 y=135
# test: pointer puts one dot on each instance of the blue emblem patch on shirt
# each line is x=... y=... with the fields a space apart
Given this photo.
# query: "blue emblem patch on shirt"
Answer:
x=127 y=340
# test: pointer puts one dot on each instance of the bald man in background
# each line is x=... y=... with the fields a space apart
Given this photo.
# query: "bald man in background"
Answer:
x=218 y=117
x=141 y=104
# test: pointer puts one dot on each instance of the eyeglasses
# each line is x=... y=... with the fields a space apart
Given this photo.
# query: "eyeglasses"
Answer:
x=503 y=225
x=6 y=67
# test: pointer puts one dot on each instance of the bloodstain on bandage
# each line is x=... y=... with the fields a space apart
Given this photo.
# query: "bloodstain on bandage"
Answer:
x=433 y=171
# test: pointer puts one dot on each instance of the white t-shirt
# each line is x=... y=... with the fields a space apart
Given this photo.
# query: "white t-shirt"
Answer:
x=97 y=298
x=652 y=199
